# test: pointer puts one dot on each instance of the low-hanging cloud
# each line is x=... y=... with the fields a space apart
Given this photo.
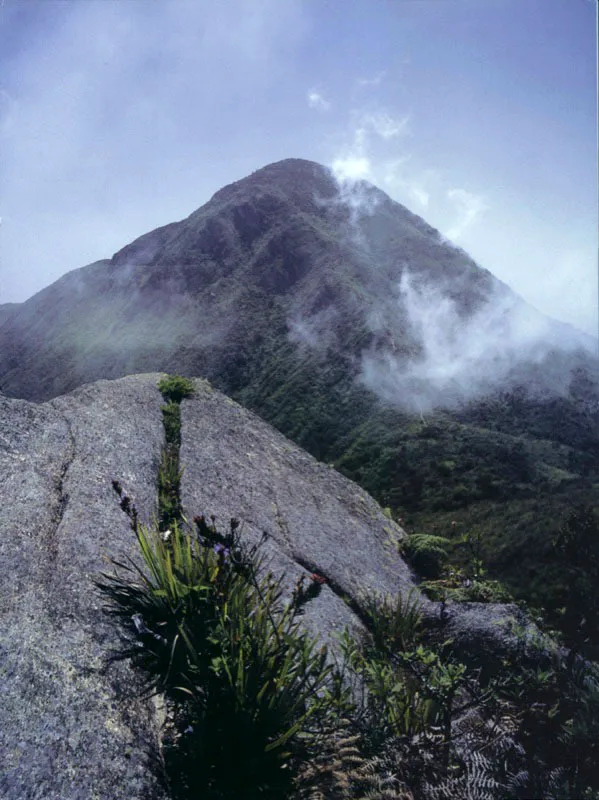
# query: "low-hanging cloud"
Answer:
x=451 y=353
x=456 y=357
x=353 y=166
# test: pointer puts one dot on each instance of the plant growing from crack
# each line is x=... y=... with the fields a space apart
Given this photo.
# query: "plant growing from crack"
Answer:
x=216 y=638
x=174 y=388
x=209 y=627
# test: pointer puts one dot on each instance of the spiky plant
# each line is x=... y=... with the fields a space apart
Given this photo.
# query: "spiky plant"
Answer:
x=394 y=622
x=215 y=637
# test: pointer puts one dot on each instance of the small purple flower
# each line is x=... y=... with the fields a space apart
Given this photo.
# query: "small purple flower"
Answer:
x=221 y=550
x=188 y=729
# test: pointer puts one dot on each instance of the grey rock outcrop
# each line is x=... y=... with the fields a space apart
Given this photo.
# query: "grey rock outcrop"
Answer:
x=316 y=520
x=70 y=727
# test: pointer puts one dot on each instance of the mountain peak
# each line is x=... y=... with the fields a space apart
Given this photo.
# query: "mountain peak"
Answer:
x=292 y=177
x=286 y=259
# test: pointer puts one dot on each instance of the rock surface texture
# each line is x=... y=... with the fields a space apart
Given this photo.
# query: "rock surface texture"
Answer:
x=70 y=727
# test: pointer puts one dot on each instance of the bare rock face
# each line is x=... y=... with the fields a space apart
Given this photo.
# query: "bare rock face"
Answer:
x=69 y=728
x=316 y=520
x=72 y=728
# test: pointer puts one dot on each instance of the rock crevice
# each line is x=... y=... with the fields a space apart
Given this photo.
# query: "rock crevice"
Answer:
x=61 y=496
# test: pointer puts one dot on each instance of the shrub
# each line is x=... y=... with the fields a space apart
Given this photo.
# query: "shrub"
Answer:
x=412 y=693
x=460 y=589
x=426 y=553
x=175 y=388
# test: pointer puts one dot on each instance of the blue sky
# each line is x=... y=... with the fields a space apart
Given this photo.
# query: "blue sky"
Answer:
x=479 y=115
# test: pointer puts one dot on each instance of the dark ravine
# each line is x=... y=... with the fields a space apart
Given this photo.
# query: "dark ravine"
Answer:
x=69 y=727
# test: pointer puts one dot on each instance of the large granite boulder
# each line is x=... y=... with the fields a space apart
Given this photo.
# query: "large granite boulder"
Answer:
x=69 y=728
x=72 y=727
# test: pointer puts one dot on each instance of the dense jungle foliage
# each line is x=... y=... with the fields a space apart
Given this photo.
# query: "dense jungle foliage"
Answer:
x=515 y=469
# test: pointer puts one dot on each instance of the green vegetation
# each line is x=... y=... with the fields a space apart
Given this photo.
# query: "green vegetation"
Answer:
x=427 y=554
x=244 y=682
x=173 y=388
x=169 y=480
x=452 y=568
x=171 y=417
x=398 y=717
x=577 y=543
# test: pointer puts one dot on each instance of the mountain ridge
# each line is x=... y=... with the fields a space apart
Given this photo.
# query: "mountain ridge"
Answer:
x=289 y=230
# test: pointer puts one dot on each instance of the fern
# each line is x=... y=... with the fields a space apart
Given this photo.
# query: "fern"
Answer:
x=341 y=771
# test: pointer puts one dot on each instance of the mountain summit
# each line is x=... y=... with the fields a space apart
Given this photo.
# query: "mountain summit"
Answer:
x=288 y=257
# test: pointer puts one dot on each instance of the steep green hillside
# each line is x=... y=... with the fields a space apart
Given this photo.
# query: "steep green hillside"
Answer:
x=512 y=467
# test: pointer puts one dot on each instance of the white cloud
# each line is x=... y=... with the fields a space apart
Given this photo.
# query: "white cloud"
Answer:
x=316 y=100
x=372 y=81
x=353 y=165
x=461 y=357
x=355 y=162
x=469 y=207
x=352 y=168
x=385 y=126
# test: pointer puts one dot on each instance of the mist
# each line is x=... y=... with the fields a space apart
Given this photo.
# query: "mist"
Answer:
x=462 y=358
x=441 y=343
